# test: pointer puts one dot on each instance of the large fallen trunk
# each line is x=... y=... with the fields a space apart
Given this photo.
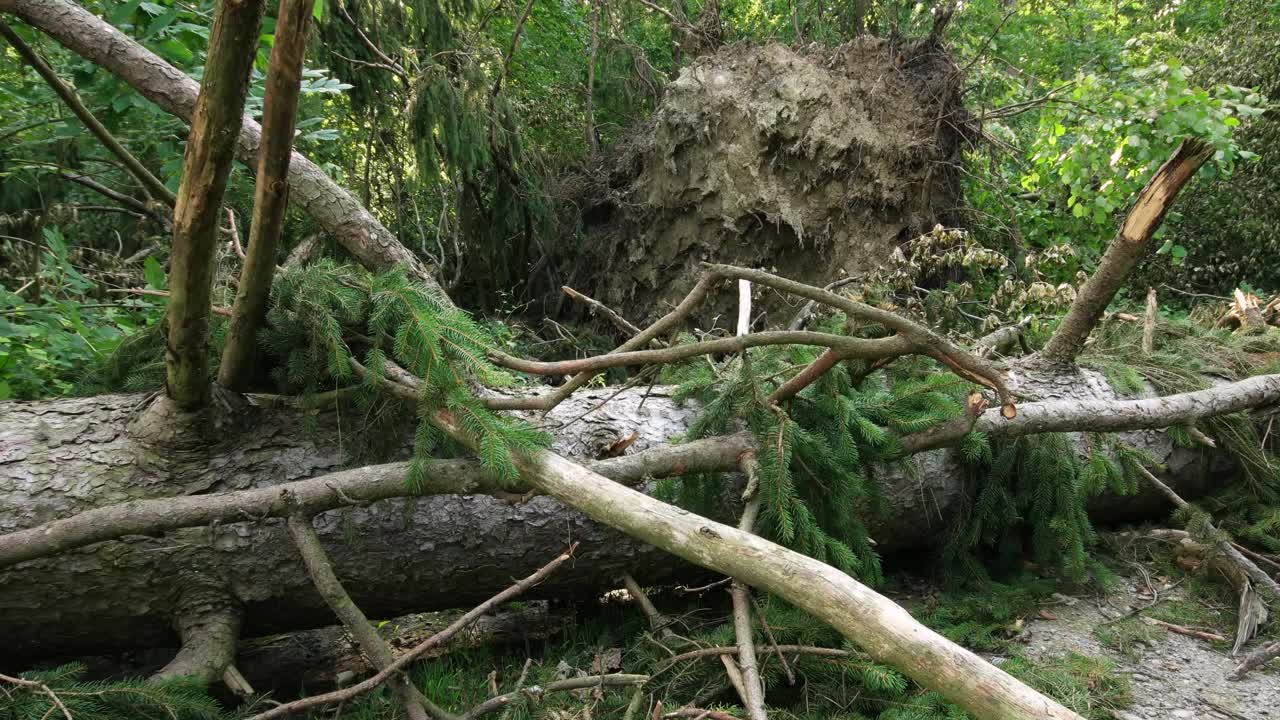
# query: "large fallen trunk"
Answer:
x=63 y=457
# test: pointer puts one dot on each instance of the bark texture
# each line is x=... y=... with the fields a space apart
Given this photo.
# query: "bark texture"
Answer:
x=279 y=114
x=333 y=208
x=1130 y=245
x=67 y=456
x=63 y=457
x=206 y=164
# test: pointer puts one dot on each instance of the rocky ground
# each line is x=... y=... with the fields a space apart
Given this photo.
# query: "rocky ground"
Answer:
x=1173 y=676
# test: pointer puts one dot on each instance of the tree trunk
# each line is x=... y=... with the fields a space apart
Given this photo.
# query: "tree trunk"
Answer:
x=206 y=165
x=279 y=116
x=62 y=457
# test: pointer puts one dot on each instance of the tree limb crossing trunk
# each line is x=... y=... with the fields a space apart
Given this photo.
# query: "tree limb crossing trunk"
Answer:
x=64 y=457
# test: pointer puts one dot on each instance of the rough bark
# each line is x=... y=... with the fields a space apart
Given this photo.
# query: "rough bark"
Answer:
x=65 y=457
x=279 y=114
x=206 y=165
x=322 y=658
x=209 y=632
x=332 y=207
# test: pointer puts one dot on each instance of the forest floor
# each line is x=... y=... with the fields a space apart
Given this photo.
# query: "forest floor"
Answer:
x=1171 y=675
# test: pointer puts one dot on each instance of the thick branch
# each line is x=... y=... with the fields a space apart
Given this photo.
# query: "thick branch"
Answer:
x=922 y=339
x=72 y=99
x=215 y=124
x=436 y=640
x=210 y=631
x=357 y=486
x=662 y=325
x=847 y=346
x=807 y=376
x=330 y=588
x=1124 y=252
x=885 y=630
x=1105 y=415
x=279 y=113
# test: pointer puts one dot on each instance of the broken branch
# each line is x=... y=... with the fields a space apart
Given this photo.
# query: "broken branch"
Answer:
x=362 y=485
x=352 y=618
x=435 y=640
x=1105 y=415
x=1129 y=246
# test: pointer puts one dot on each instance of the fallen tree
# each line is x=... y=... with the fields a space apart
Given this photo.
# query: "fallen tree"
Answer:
x=184 y=453
x=67 y=458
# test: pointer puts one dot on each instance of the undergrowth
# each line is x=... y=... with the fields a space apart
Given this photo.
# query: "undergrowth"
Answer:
x=334 y=326
x=615 y=638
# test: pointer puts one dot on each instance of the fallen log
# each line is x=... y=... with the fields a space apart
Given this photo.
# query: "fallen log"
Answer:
x=59 y=459
x=325 y=657
x=64 y=457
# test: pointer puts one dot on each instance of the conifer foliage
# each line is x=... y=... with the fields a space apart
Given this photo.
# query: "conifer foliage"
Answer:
x=319 y=311
x=818 y=456
x=135 y=699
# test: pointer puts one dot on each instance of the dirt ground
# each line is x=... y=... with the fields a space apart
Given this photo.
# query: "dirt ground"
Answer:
x=1173 y=676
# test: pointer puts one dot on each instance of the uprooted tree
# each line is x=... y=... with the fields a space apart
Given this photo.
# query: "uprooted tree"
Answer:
x=166 y=514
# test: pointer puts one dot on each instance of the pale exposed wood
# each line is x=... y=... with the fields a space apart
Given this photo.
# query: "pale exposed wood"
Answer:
x=1130 y=245
x=1149 y=323
x=883 y=629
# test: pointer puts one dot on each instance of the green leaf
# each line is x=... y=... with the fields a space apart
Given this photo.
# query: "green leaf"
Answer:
x=153 y=273
x=317 y=10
